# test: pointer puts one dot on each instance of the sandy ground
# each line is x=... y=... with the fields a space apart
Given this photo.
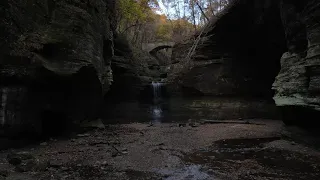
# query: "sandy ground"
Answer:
x=168 y=151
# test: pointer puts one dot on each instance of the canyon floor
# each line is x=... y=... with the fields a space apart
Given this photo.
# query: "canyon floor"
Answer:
x=172 y=151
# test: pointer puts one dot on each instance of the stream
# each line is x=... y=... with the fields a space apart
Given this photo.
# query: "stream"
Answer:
x=163 y=109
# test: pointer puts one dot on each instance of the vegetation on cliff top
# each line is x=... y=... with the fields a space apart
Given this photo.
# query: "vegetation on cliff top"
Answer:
x=143 y=21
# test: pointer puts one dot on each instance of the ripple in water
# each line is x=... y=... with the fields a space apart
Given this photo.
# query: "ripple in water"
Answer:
x=156 y=114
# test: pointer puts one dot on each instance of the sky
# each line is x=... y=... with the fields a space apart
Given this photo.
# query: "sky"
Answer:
x=161 y=6
x=171 y=11
x=163 y=9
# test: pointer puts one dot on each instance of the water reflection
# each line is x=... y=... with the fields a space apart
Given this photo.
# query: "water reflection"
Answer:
x=168 y=110
x=157 y=113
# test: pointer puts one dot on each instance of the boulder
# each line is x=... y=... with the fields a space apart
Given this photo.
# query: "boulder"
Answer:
x=17 y=158
x=24 y=162
x=94 y=124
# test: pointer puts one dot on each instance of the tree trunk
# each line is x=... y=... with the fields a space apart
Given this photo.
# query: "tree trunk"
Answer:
x=202 y=11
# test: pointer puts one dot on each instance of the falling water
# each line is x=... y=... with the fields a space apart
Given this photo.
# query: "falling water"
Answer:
x=156 y=113
x=156 y=107
x=156 y=86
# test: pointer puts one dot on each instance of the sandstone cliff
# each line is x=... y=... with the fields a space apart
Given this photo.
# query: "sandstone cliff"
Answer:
x=132 y=70
x=238 y=53
x=258 y=48
x=55 y=61
x=298 y=82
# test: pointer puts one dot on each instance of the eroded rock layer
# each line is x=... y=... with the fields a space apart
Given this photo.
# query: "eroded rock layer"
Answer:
x=133 y=70
x=238 y=54
x=298 y=82
x=55 y=62
x=268 y=48
x=297 y=85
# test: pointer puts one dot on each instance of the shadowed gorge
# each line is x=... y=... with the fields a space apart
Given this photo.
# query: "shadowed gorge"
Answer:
x=159 y=89
x=238 y=58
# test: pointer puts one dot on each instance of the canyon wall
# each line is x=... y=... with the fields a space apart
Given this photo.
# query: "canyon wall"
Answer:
x=297 y=85
x=238 y=52
x=265 y=48
x=55 y=62
x=133 y=70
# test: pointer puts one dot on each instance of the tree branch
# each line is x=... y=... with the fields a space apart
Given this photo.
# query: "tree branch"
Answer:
x=130 y=27
x=202 y=11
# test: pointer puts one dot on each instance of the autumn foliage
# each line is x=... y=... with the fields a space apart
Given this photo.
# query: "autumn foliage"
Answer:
x=143 y=21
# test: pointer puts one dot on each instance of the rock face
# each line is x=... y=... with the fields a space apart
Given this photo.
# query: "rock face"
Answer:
x=250 y=44
x=237 y=54
x=55 y=62
x=298 y=84
x=133 y=70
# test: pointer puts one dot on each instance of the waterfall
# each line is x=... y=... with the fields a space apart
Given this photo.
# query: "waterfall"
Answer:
x=156 y=113
x=156 y=110
x=156 y=86
x=4 y=94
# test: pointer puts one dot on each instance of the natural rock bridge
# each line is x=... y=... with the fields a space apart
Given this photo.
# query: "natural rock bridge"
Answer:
x=157 y=46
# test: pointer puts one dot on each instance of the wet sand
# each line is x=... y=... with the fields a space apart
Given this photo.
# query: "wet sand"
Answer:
x=171 y=151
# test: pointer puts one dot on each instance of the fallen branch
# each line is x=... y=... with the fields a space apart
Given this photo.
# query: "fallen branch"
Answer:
x=116 y=149
x=138 y=24
x=229 y=122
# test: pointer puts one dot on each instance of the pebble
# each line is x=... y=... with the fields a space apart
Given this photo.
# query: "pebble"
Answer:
x=194 y=125
x=163 y=148
x=43 y=144
x=83 y=135
x=115 y=154
x=64 y=168
x=55 y=164
x=4 y=173
x=182 y=125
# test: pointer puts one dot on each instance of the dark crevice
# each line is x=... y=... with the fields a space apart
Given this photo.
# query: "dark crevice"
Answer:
x=54 y=51
x=300 y=116
x=51 y=104
x=107 y=51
